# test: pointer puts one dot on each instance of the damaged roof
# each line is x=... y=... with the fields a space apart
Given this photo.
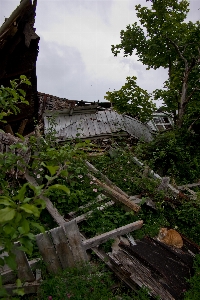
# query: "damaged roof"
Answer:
x=92 y=122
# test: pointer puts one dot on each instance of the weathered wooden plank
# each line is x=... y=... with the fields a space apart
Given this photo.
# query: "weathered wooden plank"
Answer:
x=190 y=185
x=10 y=276
x=24 y=272
x=63 y=248
x=29 y=287
x=114 y=195
x=97 y=240
x=86 y=215
x=75 y=241
x=48 y=252
x=38 y=275
x=99 y=198
x=105 y=178
x=116 y=268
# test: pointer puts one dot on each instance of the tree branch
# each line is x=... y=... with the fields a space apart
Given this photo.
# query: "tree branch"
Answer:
x=178 y=50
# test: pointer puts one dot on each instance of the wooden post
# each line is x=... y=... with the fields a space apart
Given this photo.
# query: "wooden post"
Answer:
x=63 y=248
x=75 y=241
x=48 y=252
x=24 y=271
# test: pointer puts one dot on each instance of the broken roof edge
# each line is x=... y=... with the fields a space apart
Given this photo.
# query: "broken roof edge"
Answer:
x=14 y=15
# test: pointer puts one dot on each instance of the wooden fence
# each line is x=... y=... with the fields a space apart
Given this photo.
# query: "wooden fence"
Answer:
x=60 y=248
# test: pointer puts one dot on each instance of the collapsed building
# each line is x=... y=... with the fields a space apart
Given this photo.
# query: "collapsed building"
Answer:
x=150 y=263
x=19 y=47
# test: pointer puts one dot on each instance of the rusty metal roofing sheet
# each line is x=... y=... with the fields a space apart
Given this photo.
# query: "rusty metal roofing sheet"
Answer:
x=101 y=123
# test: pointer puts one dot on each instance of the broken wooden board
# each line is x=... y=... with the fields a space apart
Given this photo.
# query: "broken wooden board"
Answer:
x=164 y=270
x=105 y=178
x=114 y=195
x=28 y=287
x=97 y=240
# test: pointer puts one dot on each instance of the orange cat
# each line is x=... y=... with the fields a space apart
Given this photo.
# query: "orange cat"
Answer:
x=170 y=237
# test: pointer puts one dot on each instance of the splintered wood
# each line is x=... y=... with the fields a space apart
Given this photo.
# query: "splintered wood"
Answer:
x=159 y=267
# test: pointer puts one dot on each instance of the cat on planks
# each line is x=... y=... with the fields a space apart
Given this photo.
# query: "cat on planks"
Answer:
x=170 y=237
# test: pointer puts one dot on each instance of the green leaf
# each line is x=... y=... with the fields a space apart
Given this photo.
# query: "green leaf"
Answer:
x=7 y=214
x=26 y=200
x=59 y=187
x=30 y=209
x=50 y=178
x=18 y=283
x=3 y=294
x=8 y=229
x=40 y=202
x=26 y=244
x=52 y=169
x=22 y=92
x=37 y=189
x=18 y=217
x=1 y=264
x=31 y=236
x=21 y=193
x=19 y=292
x=6 y=201
x=38 y=226
x=23 y=77
x=64 y=173
x=10 y=261
x=24 y=228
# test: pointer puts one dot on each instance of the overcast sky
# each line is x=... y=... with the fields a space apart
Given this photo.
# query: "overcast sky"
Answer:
x=75 y=59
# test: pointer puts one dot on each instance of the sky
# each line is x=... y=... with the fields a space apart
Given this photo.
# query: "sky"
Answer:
x=75 y=59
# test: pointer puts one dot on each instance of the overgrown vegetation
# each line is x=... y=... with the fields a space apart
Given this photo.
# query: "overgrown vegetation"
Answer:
x=92 y=282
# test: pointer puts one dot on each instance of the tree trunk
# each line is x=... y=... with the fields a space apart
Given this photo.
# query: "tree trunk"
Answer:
x=183 y=100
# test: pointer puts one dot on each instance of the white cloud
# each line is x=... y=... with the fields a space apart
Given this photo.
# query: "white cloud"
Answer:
x=75 y=59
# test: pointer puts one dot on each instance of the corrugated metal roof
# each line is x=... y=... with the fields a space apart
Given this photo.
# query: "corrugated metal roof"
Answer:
x=101 y=123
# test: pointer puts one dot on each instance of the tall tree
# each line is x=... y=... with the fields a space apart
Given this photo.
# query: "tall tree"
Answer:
x=164 y=39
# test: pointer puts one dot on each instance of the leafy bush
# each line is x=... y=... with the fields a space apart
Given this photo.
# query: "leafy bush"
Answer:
x=173 y=153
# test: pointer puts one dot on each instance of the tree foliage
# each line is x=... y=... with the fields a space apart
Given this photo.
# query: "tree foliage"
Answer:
x=164 y=39
x=133 y=100
x=11 y=97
